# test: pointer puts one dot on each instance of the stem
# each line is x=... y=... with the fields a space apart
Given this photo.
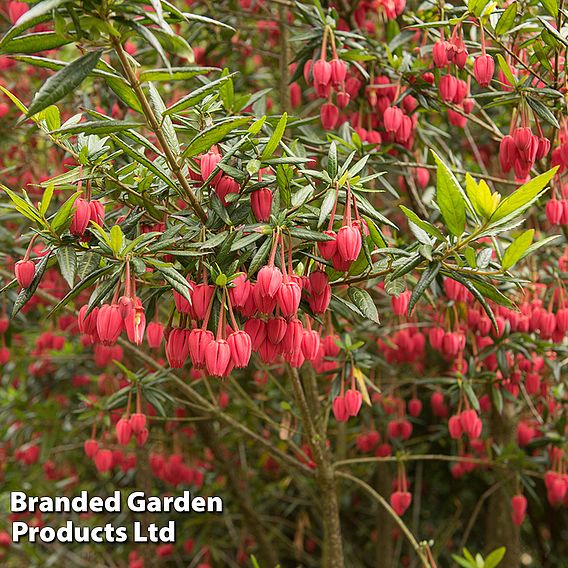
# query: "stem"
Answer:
x=407 y=532
x=155 y=126
x=332 y=543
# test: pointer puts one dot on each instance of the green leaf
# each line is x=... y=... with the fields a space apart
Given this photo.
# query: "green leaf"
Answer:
x=496 y=398
x=284 y=175
x=424 y=225
x=210 y=136
x=227 y=92
x=25 y=295
x=63 y=215
x=90 y=262
x=522 y=198
x=481 y=198
x=449 y=198
x=35 y=15
x=274 y=140
x=414 y=261
x=174 y=74
x=22 y=206
x=124 y=92
x=539 y=244
x=462 y=561
x=141 y=159
x=245 y=241
x=505 y=67
x=116 y=239
x=426 y=279
x=199 y=94
x=471 y=395
x=168 y=129
x=52 y=117
x=260 y=257
x=327 y=205
x=46 y=198
x=542 y=111
x=309 y=235
x=332 y=160
x=64 y=82
x=375 y=234
x=477 y=294
x=490 y=292
x=362 y=299
x=507 y=20
x=34 y=43
x=97 y=127
x=516 y=249
x=67 y=264
x=173 y=278
x=494 y=559
x=551 y=7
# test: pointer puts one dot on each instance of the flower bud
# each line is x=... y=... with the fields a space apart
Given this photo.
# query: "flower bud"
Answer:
x=338 y=72
x=440 y=54
x=400 y=501
x=135 y=322
x=218 y=357
x=109 y=323
x=96 y=212
x=448 y=87
x=256 y=329
x=123 y=431
x=208 y=163
x=353 y=401
x=154 y=334
x=342 y=99
x=198 y=340
x=310 y=344
x=392 y=119
x=518 y=509
x=292 y=341
x=349 y=242
x=483 y=69
x=201 y=298
x=328 y=248
x=329 y=115
x=321 y=72
x=24 y=270
x=339 y=409
x=240 y=344
x=268 y=281
x=288 y=298
x=261 y=204
x=91 y=447
x=137 y=422
x=103 y=460
x=177 y=347
x=81 y=217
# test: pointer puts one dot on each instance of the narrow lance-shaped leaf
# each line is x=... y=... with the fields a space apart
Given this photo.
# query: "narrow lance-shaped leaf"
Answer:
x=449 y=199
x=362 y=299
x=520 y=199
x=210 y=136
x=425 y=280
x=274 y=140
x=67 y=259
x=199 y=94
x=516 y=249
x=64 y=82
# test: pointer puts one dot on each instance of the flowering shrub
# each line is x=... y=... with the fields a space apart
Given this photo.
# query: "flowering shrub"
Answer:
x=308 y=256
